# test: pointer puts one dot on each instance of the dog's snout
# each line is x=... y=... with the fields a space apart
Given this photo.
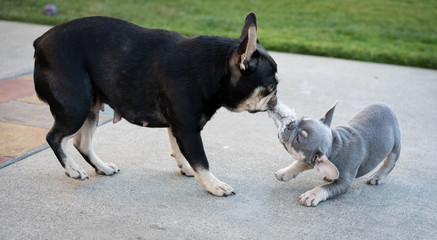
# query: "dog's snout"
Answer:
x=272 y=102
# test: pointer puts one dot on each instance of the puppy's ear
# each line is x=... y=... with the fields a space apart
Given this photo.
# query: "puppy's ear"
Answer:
x=250 y=20
x=327 y=118
x=326 y=167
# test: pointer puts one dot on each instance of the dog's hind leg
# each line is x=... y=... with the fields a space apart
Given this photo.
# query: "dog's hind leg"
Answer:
x=83 y=143
x=387 y=166
x=378 y=177
x=68 y=91
x=58 y=142
x=67 y=122
x=184 y=167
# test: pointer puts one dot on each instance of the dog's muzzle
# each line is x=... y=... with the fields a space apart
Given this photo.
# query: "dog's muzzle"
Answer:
x=273 y=102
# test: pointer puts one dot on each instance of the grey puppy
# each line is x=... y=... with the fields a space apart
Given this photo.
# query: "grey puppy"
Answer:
x=341 y=154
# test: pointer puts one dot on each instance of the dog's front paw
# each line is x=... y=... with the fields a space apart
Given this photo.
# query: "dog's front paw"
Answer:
x=313 y=197
x=75 y=171
x=107 y=169
x=220 y=189
x=213 y=185
x=285 y=174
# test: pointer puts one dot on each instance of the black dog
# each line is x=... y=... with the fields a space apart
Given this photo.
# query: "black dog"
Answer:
x=150 y=77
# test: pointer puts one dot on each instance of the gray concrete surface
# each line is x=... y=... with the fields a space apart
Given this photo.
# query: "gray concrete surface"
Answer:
x=148 y=199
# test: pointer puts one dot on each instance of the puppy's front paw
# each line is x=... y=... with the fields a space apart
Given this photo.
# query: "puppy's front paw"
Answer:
x=313 y=197
x=285 y=174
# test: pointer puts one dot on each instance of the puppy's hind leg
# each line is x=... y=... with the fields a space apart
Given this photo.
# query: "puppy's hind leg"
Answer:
x=378 y=177
x=184 y=167
x=83 y=143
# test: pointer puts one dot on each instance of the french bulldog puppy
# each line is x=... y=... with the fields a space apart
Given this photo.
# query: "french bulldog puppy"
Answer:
x=341 y=154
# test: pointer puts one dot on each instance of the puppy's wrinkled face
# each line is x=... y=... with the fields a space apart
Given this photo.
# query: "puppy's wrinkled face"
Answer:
x=306 y=139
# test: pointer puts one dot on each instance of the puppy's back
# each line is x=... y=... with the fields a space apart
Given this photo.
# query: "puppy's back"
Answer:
x=379 y=129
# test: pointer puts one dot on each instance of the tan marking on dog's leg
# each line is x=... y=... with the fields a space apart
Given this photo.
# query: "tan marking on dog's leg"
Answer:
x=291 y=171
x=184 y=167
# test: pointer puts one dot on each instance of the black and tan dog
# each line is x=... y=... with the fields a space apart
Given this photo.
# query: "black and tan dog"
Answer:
x=150 y=77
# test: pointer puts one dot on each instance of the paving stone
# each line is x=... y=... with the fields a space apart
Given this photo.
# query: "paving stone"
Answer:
x=16 y=140
x=3 y=159
x=17 y=112
x=16 y=88
x=36 y=115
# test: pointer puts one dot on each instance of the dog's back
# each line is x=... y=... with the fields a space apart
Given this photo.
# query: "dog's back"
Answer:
x=91 y=42
x=378 y=123
x=90 y=57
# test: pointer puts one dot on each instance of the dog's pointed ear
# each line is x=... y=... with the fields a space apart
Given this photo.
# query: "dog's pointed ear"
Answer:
x=247 y=47
x=250 y=20
x=327 y=118
x=326 y=167
x=241 y=57
x=250 y=39
x=250 y=46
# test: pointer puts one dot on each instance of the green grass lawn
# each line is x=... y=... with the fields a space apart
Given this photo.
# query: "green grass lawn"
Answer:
x=389 y=31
